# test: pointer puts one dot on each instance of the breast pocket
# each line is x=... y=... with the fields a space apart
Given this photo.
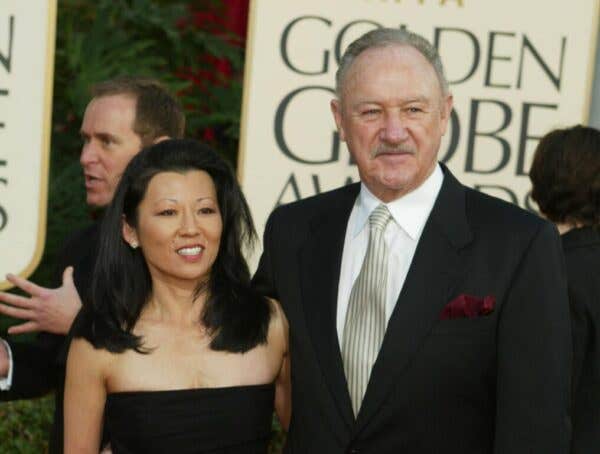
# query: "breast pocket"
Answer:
x=464 y=326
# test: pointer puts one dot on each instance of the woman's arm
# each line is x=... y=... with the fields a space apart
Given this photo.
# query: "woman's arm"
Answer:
x=283 y=387
x=85 y=395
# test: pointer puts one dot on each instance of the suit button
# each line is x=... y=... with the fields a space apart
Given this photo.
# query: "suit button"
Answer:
x=353 y=451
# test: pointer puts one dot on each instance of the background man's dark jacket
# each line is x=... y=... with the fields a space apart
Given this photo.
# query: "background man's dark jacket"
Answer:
x=39 y=366
x=582 y=253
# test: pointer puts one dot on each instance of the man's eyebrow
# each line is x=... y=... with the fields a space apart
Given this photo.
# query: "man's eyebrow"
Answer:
x=420 y=98
x=106 y=135
x=100 y=135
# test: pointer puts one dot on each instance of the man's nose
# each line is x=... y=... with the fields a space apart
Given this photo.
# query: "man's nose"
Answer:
x=394 y=129
x=88 y=153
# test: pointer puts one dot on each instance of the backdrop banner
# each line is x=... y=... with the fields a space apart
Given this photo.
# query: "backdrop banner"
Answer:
x=27 y=30
x=517 y=69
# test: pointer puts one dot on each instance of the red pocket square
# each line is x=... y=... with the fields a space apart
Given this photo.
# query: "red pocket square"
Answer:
x=468 y=306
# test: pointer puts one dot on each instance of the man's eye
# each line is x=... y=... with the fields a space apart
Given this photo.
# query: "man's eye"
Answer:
x=370 y=114
x=413 y=110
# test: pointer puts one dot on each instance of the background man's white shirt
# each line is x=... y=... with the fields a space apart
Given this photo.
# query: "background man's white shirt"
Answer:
x=6 y=382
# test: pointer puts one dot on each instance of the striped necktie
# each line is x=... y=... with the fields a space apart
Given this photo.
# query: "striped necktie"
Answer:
x=365 y=320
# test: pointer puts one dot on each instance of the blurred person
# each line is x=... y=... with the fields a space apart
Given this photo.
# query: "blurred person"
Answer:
x=425 y=317
x=123 y=115
x=565 y=174
x=185 y=355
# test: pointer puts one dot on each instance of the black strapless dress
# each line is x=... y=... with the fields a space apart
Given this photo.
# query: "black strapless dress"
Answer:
x=232 y=420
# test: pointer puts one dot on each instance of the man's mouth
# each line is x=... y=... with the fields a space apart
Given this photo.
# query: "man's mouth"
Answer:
x=91 y=176
x=91 y=180
x=392 y=151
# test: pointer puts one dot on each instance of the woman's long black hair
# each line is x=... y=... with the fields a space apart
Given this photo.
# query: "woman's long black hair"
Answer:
x=236 y=316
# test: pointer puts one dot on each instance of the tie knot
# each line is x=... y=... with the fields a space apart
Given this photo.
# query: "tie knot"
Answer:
x=380 y=217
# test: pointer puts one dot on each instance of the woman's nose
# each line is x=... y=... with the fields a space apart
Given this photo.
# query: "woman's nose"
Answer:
x=189 y=224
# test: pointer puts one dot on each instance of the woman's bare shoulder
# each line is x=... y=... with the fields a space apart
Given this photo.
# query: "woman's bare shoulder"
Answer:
x=83 y=355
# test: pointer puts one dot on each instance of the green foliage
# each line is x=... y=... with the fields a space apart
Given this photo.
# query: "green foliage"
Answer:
x=24 y=426
x=101 y=39
x=277 y=438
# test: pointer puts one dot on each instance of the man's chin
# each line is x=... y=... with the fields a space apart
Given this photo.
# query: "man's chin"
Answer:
x=96 y=201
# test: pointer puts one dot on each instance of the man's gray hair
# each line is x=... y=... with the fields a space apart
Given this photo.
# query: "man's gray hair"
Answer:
x=383 y=37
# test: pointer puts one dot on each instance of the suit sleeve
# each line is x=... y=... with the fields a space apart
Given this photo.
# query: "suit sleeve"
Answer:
x=534 y=354
x=35 y=371
x=264 y=279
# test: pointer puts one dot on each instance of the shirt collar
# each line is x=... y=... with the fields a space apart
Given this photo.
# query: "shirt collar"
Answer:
x=410 y=211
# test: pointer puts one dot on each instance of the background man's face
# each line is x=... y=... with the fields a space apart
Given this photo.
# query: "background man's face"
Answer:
x=392 y=115
x=109 y=144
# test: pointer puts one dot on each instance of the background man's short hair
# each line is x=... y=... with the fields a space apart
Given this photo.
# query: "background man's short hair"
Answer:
x=383 y=37
x=566 y=176
x=157 y=112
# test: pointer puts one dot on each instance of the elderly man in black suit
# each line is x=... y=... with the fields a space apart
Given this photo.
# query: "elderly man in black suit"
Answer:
x=124 y=115
x=425 y=317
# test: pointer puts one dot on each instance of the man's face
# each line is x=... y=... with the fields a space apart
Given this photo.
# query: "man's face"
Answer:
x=392 y=114
x=109 y=143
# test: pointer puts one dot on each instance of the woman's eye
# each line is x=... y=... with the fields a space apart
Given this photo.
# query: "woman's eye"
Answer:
x=168 y=212
x=206 y=210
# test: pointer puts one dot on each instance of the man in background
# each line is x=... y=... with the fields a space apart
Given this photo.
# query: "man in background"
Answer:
x=123 y=116
x=565 y=177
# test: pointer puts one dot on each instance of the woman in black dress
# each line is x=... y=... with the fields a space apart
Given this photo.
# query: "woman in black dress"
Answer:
x=566 y=185
x=176 y=352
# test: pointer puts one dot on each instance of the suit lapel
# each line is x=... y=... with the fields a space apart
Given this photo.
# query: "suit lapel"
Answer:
x=320 y=262
x=435 y=269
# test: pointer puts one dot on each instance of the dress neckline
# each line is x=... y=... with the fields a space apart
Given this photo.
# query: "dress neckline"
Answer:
x=207 y=390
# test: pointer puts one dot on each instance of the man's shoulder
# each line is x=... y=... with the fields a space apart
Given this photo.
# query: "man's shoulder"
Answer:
x=78 y=250
x=82 y=235
x=486 y=209
x=318 y=204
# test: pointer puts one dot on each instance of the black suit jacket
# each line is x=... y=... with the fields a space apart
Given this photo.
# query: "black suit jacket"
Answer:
x=495 y=384
x=39 y=366
x=582 y=253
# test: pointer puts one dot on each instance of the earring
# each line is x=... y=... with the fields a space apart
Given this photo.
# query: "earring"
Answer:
x=133 y=245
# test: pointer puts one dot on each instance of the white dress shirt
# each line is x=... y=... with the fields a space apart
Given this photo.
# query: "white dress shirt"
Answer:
x=6 y=382
x=409 y=215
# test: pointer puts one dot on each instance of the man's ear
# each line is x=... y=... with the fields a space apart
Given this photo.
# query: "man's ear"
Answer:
x=129 y=234
x=160 y=139
x=336 y=110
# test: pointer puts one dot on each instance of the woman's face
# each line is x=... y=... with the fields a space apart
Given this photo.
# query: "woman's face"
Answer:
x=179 y=227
